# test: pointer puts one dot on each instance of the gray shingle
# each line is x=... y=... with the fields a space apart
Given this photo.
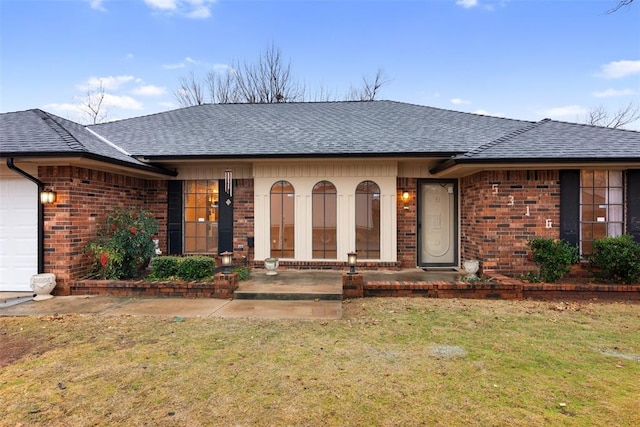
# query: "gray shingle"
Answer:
x=554 y=140
x=305 y=129
x=35 y=132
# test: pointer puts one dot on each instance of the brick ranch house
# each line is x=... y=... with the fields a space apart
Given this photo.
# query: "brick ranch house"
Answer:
x=403 y=185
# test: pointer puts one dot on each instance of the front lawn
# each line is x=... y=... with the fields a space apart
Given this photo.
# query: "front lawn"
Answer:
x=389 y=361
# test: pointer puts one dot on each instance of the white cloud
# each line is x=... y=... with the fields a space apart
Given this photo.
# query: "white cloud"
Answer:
x=197 y=9
x=619 y=69
x=162 y=4
x=458 y=101
x=107 y=82
x=97 y=5
x=167 y=104
x=222 y=67
x=610 y=93
x=183 y=64
x=121 y=101
x=149 y=90
x=567 y=111
x=174 y=66
x=64 y=107
x=467 y=3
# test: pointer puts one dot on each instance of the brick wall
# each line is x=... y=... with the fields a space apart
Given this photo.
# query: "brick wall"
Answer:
x=501 y=210
x=84 y=199
x=407 y=223
x=243 y=220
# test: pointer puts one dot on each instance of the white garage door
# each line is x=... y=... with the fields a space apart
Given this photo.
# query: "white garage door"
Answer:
x=18 y=233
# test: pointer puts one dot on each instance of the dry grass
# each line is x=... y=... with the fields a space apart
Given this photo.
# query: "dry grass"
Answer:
x=387 y=362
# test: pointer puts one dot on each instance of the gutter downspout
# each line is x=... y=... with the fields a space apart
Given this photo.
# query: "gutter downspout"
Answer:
x=40 y=185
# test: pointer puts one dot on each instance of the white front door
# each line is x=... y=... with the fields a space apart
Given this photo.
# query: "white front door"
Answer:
x=438 y=224
x=18 y=233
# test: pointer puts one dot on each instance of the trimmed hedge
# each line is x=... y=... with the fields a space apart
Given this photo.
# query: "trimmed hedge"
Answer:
x=617 y=259
x=185 y=268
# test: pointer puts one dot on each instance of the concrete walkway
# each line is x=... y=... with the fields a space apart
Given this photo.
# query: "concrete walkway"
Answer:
x=176 y=307
x=287 y=281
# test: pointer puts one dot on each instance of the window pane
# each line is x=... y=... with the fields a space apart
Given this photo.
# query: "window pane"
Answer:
x=586 y=178
x=201 y=216
x=600 y=178
x=368 y=220
x=282 y=213
x=601 y=206
x=324 y=218
x=615 y=179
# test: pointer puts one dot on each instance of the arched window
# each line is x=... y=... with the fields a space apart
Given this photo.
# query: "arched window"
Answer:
x=282 y=220
x=368 y=220
x=324 y=220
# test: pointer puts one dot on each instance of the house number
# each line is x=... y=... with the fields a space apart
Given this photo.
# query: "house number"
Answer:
x=494 y=187
x=548 y=224
x=512 y=201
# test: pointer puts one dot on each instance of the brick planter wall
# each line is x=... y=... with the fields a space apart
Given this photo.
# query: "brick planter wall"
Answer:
x=222 y=287
x=84 y=199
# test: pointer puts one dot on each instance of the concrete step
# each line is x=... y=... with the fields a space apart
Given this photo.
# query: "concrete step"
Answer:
x=289 y=292
x=291 y=286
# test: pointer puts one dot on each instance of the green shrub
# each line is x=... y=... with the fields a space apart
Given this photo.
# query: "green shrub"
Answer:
x=243 y=272
x=616 y=259
x=554 y=257
x=196 y=268
x=165 y=266
x=124 y=244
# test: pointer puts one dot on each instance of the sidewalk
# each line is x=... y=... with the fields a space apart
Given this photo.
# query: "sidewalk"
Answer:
x=175 y=307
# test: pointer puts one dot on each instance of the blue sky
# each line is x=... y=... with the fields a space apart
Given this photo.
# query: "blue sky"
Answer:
x=513 y=58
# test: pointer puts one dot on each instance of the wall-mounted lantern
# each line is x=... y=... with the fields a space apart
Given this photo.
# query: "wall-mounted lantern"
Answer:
x=47 y=196
x=227 y=259
x=405 y=197
x=352 y=260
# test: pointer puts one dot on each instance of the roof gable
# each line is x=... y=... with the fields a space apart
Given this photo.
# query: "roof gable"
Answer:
x=38 y=133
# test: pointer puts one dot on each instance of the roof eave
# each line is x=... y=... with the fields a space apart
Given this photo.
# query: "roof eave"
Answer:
x=450 y=165
x=90 y=156
x=153 y=158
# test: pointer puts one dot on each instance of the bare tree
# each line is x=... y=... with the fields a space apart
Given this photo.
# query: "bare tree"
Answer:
x=370 y=88
x=92 y=105
x=600 y=116
x=266 y=80
x=621 y=4
x=190 y=91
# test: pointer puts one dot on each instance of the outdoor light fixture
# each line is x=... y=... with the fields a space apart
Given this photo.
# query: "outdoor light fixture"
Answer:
x=47 y=196
x=352 y=259
x=405 y=197
x=227 y=259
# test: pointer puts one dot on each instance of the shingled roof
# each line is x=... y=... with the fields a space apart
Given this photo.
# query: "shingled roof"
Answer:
x=36 y=133
x=313 y=130
x=374 y=128
x=554 y=140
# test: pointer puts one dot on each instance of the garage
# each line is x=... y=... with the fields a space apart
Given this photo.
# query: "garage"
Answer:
x=18 y=233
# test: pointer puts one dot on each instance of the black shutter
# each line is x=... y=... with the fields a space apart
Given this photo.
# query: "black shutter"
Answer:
x=633 y=203
x=225 y=220
x=570 y=206
x=174 y=217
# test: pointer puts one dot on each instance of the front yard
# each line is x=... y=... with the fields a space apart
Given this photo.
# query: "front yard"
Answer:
x=389 y=361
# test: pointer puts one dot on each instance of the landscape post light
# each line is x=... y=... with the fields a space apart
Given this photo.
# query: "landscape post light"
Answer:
x=352 y=259
x=227 y=259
